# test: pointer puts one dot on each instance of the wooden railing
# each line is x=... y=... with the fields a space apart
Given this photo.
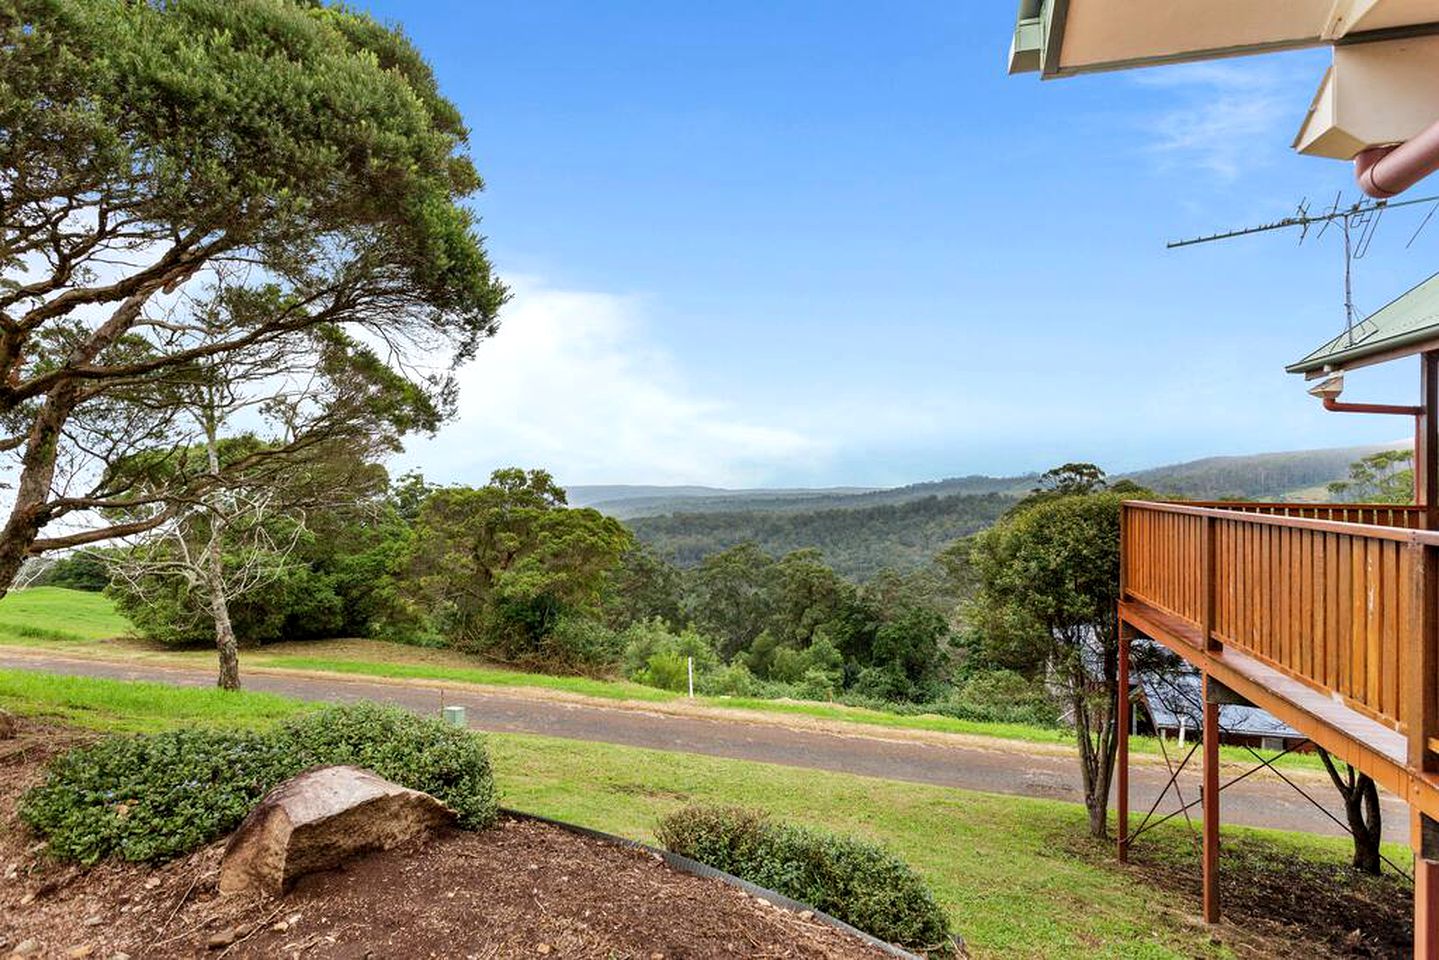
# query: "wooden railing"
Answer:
x=1338 y=596
x=1379 y=514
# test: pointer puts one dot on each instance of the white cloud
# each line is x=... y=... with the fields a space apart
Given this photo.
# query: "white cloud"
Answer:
x=570 y=384
x=1228 y=117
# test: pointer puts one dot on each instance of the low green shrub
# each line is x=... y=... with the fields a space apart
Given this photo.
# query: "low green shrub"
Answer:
x=858 y=882
x=152 y=797
x=417 y=752
x=656 y=657
x=159 y=796
x=578 y=644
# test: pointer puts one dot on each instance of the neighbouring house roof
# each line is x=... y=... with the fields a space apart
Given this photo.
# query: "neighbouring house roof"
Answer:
x=1405 y=326
x=1171 y=696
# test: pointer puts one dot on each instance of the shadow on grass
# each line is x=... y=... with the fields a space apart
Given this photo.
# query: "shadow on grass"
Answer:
x=1276 y=899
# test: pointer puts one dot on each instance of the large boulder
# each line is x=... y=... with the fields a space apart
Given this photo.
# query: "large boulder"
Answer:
x=319 y=819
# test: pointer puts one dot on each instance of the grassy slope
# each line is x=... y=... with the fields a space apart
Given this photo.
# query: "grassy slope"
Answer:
x=133 y=706
x=58 y=615
x=75 y=622
x=1005 y=868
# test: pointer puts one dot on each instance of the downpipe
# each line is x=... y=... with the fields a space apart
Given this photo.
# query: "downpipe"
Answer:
x=1385 y=172
x=1339 y=406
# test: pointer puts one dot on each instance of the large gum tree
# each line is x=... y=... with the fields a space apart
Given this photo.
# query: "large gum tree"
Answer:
x=155 y=156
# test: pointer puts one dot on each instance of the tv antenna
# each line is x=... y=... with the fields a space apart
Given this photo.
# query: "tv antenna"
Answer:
x=1357 y=222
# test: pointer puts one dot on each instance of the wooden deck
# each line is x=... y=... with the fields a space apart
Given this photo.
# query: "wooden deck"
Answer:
x=1324 y=615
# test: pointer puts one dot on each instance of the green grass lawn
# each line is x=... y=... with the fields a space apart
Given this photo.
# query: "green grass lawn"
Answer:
x=57 y=615
x=80 y=622
x=135 y=706
x=1013 y=873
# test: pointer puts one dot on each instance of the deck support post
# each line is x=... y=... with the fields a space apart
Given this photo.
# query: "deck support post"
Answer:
x=1210 y=796
x=1122 y=720
x=1426 y=887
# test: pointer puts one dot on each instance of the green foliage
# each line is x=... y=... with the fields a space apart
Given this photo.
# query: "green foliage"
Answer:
x=658 y=658
x=727 y=596
x=498 y=568
x=858 y=543
x=579 y=644
x=999 y=696
x=286 y=172
x=859 y=882
x=76 y=571
x=1049 y=579
x=799 y=630
x=730 y=680
x=337 y=581
x=418 y=752
x=158 y=796
x=273 y=121
x=1068 y=480
x=1383 y=477
x=645 y=587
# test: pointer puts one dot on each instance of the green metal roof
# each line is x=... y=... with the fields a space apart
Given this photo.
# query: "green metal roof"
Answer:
x=1405 y=326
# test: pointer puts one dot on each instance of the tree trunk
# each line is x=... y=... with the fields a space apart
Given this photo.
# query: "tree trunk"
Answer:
x=1366 y=825
x=225 y=643
x=1361 y=807
x=1098 y=817
x=32 y=492
x=31 y=509
x=1095 y=764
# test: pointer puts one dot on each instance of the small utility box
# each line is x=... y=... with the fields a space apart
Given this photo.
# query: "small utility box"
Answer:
x=454 y=716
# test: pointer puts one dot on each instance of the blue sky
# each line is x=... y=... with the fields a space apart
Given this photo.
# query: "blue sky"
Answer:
x=814 y=243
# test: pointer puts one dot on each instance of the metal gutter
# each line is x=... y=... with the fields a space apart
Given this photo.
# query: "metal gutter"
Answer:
x=1390 y=348
x=1055 y=17
x=1385 y=172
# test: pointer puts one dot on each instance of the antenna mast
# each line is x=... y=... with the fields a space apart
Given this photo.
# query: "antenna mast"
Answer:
x=1358 y=223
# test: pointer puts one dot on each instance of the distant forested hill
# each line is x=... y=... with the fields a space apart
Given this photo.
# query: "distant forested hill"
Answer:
x=624 y=502
x=863 y=531
x=857 y=542
x=1299 y=474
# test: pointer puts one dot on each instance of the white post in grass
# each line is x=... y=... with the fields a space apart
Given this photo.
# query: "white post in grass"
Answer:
x=690 y=666
x=1183 y=724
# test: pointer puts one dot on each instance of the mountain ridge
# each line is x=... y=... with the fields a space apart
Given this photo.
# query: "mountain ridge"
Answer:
x=1293 y=474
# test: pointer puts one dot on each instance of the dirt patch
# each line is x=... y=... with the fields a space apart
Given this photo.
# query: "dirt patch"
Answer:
x=521 y=889
x=1275 y=904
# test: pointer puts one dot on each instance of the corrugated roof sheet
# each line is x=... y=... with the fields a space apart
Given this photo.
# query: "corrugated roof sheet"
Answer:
x=1171 y=696
x=1411 y=321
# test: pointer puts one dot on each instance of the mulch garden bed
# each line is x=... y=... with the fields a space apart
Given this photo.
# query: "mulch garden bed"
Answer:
x=521 y=889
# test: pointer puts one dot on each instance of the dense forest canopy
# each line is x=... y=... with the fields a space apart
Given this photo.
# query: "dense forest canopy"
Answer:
x=863 y=532
x=858 y=543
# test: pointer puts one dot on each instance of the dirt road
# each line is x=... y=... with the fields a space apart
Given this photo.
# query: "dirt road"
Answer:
x=972 y=763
